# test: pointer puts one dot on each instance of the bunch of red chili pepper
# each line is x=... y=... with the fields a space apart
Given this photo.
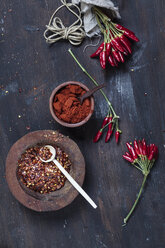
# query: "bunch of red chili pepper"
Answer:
x=111 y=122
x=142 y=157
x=141 y=152
x=116 y=43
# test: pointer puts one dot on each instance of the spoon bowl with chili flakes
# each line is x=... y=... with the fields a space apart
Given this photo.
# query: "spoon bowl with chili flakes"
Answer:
x=39 y=185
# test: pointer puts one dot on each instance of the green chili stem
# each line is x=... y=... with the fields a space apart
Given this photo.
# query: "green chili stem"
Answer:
x=94 y=81
x=102 y=16
x=100 y=26
x=136 y=201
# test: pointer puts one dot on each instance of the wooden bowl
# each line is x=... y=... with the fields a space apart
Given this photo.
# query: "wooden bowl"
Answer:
x=55 y=200
x=54 y=92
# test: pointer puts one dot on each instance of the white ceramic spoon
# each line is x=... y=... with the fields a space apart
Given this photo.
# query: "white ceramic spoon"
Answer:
x=67 y=175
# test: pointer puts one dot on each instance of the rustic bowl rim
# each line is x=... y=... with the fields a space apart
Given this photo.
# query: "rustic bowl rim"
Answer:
x=60 y=200
x=59 y=87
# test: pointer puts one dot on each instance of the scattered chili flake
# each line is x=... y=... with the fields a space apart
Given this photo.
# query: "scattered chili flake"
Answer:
x=28 y=127
x=39 y=176
x=20 y=90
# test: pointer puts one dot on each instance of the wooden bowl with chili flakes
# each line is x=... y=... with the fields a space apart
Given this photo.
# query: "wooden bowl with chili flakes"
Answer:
x=66 y=109
x=40 y=201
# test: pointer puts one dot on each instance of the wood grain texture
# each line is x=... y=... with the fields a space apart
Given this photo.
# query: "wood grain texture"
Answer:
x=30 y=66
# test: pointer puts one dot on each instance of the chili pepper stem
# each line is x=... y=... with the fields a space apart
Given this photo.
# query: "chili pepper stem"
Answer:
x=94 y=81
x=136 y=201
x=102 y=16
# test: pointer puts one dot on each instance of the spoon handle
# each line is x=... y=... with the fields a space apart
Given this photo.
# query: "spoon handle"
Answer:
x=75 y=184
x=91 y=92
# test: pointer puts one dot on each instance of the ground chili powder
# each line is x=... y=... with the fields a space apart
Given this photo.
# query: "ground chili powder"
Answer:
x=67 y=107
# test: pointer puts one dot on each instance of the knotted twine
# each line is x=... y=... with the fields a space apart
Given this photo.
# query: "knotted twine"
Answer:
x=56 y=30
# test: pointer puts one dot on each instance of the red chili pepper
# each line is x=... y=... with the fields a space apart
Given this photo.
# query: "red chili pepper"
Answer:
x=116 y=55
x=140 y=148
x=151 y=156
x=127 y=32
x=108 y=49
x=103 y=59
x=132 y=151
x=109 y=132
x=148 y=150
x=127 y=154
x=98 y=51
x=98 y=136
x=144 y=147
x=156 y=152
x=114 y=60
x=120 y=27
x=128 y=158
x=110 y=60
x=117 y=134
x=121 y=56
x=116 y=43
x=105 y=121
x=136 y=148
x=125 y=43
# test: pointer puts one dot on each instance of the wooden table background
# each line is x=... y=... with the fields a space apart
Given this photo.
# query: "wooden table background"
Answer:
x=29 y=71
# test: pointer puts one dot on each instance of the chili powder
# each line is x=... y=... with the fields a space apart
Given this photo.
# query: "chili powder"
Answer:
x=67 y=106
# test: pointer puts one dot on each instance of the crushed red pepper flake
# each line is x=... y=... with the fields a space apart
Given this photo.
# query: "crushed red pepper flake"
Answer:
x=39 y=176
x=45 y=153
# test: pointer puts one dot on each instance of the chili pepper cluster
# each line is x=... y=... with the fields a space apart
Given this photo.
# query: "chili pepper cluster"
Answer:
x=116 y=43
x=142 y=154
x=142 y=157
x=111 y=123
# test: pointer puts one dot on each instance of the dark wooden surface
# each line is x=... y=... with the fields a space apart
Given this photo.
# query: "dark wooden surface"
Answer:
x=29 y=71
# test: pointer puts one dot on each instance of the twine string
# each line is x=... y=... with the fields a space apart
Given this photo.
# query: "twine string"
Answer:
x=56 y=30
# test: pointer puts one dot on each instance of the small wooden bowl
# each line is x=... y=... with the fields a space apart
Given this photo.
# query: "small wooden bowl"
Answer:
x=55 y=200
x=54 y=92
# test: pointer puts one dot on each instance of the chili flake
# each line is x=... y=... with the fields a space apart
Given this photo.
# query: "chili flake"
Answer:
x=39 y=176
x=45 y=153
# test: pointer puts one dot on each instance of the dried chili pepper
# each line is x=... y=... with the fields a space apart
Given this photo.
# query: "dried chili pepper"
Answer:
x=153 y=152
x=108 y=49
x=110 y=59
x=127 y=32
x=99 y=133
x=132 y=151
x=140 y=147
x=105 y=121
x=114 y=60
x=129 y=159
x=98 y=136
x=125 y=43
x=136 y=147
x=98 y=51
x=121 y=56
x=116 y=55
x=103 y=59
x=144 y=147
x=117 y=134
x=117 y=44
x=128 y=154
x=109 y=132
